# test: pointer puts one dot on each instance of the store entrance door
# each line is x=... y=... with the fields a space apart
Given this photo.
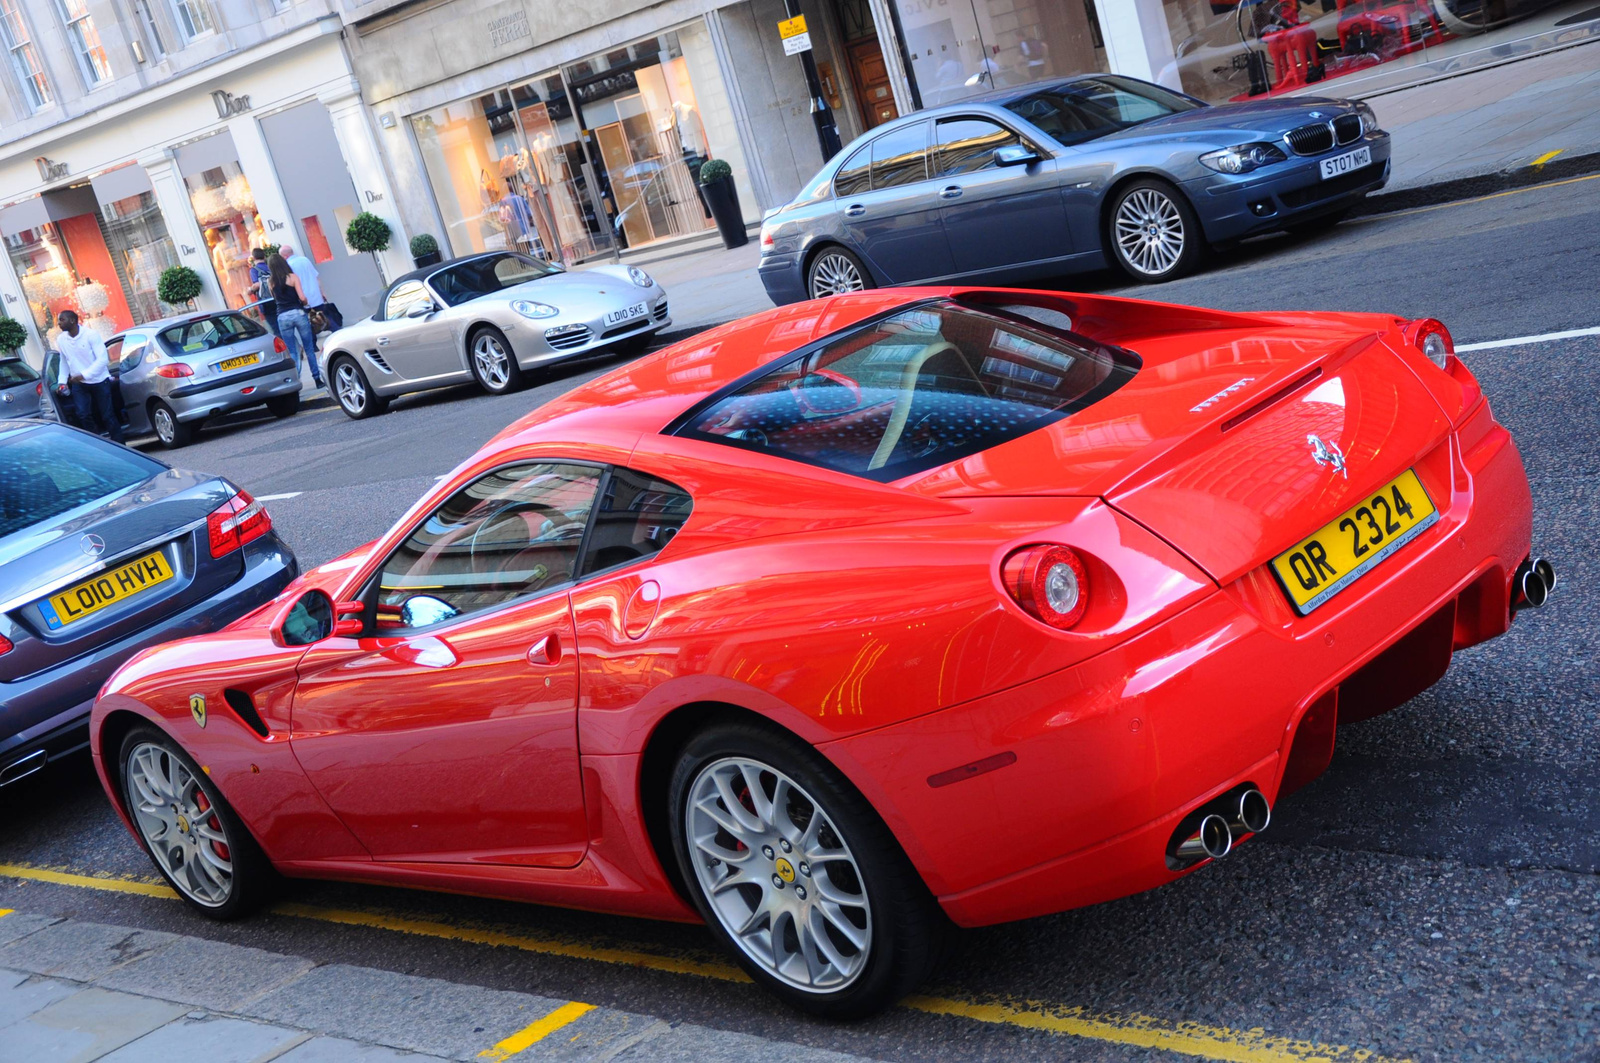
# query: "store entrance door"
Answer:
x=871 y=77
x=322 y=201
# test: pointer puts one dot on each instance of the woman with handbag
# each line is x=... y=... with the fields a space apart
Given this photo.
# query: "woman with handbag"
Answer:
x=294 y=326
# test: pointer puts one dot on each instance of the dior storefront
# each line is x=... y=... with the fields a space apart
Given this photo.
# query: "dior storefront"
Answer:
x=262 y=150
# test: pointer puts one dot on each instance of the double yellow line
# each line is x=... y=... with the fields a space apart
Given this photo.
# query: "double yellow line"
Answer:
x=1135 y=1031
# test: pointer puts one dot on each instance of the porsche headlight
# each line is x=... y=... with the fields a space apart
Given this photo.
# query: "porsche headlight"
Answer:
x=529 y=308
x=639 y=277
x=1242 y=158
x=1369 y=118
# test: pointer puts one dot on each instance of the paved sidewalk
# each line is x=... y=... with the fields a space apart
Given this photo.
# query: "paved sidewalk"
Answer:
x=73 y=992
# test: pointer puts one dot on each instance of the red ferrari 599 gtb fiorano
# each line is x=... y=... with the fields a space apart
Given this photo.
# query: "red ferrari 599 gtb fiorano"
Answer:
x=853 y=619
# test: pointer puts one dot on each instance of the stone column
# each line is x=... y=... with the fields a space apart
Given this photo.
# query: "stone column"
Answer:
x=256 y=162
x=1138 y=42
x=352 y=127
x=176 y=210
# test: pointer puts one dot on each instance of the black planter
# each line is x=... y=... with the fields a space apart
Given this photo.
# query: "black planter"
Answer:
x=723 y=199
x=432 y=258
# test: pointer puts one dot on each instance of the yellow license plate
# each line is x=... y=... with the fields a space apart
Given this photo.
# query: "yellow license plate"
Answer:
x=239 y=362
x=1324 y=564
x=108 y=588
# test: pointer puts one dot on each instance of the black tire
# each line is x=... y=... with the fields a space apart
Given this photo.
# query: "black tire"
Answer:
x=351 y=389
x=284 y=405
x=170 y=432
x=1149 y=214
x=835 y=270
x=906 y=931
x=253 y=880
x=493 y=361
x=1321 y=224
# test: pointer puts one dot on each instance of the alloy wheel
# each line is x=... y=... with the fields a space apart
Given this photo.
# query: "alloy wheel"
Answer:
x=166 y=427
x=835 y=274
x=492 y=361
x=180 y=825
x=778 y=875
x=1149 y=232
x=352 y=391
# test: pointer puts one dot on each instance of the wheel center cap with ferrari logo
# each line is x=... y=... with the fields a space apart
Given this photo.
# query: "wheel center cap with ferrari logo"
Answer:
x=785 y=869
x=183 y=823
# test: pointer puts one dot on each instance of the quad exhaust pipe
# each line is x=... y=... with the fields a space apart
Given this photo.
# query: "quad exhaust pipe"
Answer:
x=1222 y=822
x=1535 y=578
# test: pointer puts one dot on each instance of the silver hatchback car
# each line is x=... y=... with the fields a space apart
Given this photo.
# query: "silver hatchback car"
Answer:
x=21 y=393
x=488 y=318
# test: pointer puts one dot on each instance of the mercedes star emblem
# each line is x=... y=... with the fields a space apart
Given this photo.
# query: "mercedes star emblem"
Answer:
x=92 y=545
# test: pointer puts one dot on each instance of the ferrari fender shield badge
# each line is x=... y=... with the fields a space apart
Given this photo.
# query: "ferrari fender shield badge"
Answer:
x=197 y=708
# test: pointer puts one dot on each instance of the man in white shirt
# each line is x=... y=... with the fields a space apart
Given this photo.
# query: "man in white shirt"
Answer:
x=86 y=374
x=306 y=270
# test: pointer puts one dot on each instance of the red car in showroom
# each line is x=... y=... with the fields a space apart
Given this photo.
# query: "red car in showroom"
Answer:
x=851 y=620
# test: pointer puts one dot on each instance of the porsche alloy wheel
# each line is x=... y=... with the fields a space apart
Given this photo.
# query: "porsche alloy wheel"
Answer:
x=1155 y=235
x=179 y=825
x=492 y=362
x=355 y=396
x=835 y=272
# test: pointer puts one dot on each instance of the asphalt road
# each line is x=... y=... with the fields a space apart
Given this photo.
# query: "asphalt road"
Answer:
x=1436 y=895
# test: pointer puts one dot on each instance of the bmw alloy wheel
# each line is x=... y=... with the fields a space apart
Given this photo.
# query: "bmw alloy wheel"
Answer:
x=350 y=388
x=1149 y=232
x=492 y=361
x=834 y=274
x=180 y=825
x=779 y=877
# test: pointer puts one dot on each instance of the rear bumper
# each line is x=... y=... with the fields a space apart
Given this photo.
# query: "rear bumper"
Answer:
x=1232 y=208
x=1112 y=753
x=66 y=693
x=194 y=402
x=783 y=276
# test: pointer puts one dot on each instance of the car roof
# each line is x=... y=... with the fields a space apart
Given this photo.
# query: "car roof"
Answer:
x=428 y=271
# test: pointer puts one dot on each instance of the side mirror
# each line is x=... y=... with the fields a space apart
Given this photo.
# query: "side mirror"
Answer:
x=350 y=623
x=309 y=619
x=1014 y=155
x=421 y=309
x=424 y=610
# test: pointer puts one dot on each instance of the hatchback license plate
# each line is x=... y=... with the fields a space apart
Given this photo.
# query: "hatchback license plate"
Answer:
x=1340 y=165
x=239 y=362
x=1317 y=568
x=626 y=314
x=92 y=595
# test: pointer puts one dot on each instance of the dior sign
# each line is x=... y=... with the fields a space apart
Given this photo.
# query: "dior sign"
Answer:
x=49 y=169
x=228 y=104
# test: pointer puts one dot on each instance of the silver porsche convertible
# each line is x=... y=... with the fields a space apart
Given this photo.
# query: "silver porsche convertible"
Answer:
x=491 y=318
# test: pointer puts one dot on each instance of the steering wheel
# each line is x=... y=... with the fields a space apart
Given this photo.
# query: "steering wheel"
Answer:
x=494 y=557
x=809 y=408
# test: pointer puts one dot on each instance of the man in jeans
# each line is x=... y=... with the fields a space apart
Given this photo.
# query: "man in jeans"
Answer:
x=307 y=272
x=86 y=374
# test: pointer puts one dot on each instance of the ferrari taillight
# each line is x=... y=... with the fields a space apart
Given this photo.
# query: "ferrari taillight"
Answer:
x=1049 y=582
x=1432 y=339
x=236 y=522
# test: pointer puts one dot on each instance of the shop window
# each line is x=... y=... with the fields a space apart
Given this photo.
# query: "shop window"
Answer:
x=136 y=235
x=24 y=58
x=226 y=210
x=966 y=145
x=84 y=40
x=316 y=241
x=966 y=47
x=193 y=18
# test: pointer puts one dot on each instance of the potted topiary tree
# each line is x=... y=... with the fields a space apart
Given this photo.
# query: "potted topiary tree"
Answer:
x=716 y=183
x=369 y=233
x=13 y=334
x=424 y=250
x=179 y=286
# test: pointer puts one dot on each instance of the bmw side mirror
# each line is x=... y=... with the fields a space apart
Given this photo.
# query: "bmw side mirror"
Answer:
x=1014 y=155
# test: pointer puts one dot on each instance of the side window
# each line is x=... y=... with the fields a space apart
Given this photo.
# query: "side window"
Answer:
x=852 y=178
x=114 y=351
x=900 y=157
x=515 y=532
x=966 y=145
x=638 y=516
x=403 y=298
x=133 y=352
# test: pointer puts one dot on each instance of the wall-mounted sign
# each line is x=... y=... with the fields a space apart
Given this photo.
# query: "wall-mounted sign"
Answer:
x=228 y=104
x=49 y=169
x=187 y=249
x=794 y=35
x=509 y=27
x=274 y=225
x=372 y=197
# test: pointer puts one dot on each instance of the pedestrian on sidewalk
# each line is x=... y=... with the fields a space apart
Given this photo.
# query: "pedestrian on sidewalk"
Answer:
x=86 y=374
x=306 y=270
x=293 y=325
x=260 y=282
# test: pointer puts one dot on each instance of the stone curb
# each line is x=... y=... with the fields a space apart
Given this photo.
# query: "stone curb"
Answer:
x=1459 y=188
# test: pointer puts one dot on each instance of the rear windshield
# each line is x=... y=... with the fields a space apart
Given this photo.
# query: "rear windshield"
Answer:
x=922 y=387
x=1082 y=110
x=208 y=334
x=47 y=471
x=16 y=371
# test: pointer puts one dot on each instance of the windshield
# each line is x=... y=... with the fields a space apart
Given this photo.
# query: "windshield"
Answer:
x=47 y=471
x=1093 y=107
x=208 y=334
x=16 y=371
x=484 y=276
x=923 y=387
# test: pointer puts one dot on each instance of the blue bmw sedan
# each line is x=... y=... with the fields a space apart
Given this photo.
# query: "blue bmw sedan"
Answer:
x=1066 y=176
x=104 y=551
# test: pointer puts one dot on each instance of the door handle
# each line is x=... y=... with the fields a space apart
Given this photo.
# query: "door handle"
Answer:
x=545 y=652
x=854 y=210
x=383 y=341
x=950 y=192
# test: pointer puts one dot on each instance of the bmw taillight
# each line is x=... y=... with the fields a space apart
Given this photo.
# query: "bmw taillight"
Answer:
x=768 y=242
x=173 y=370
x=1049 y=582
x=1432 y=339
x=278 y=346
x=236 y=522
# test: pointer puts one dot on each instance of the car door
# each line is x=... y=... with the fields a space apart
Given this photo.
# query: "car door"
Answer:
x=890 y=210
x=996 y=217
x=133 y=377
x=447 y=732
x=416 y=347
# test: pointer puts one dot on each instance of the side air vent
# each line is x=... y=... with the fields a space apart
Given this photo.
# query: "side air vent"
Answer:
x=377 y=360
x=245 y=709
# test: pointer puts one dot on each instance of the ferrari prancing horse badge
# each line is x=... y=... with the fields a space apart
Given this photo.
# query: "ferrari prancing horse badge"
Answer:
x=197 y=708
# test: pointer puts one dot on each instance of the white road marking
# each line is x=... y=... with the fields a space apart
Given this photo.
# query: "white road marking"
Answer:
x=274 y=498
x=1517 y=341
